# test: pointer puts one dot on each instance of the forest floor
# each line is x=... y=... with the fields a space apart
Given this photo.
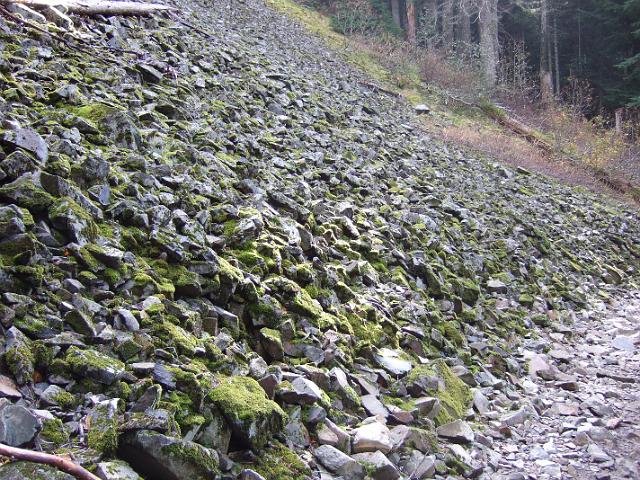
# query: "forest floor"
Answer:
x=584 y=418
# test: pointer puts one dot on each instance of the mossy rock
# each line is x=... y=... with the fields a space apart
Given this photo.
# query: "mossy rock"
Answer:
x=253 y=418
x=280 y=463
x=453 y=393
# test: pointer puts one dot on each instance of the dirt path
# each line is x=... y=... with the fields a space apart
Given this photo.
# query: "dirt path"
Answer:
x=578 y=412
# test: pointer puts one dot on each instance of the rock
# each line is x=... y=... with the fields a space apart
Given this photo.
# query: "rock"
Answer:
x=80 y=322
x=625 y=343
x=372 y=436
x=18 y=426
x=481 y=403
x=421 y=109
x=95 y=365
x=160 y=457
x=253 y=418
x=31 y=471
x=337 y=462
x=406 y=437
x=457 y=431
x=515 y=418
x=597 y=454
x=378 y=465
x=303 y=392
x=373 y=406
x=27 y=139
x=420 y=466
x=272 y=343
x=390 y=360
x=8 y=388
x=248 y=474
x=18 y=355
x=102 y=423
x=116 y=470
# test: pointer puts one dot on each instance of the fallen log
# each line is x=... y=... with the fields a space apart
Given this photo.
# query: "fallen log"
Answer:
x=97 y=7
x=61 y=463
x=501 y=116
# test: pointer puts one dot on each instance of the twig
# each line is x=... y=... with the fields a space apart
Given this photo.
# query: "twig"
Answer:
x=56 y=461
x=378 y=88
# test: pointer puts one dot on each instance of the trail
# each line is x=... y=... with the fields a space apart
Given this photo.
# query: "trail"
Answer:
x=582 y=400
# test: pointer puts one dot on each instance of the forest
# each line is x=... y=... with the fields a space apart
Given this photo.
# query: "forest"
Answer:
x=565 y=47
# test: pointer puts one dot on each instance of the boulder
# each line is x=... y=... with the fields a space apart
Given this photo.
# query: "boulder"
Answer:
x=18 y=425
x=339 y=463
x=160 y=457
x=372 y=436
x=253 y=418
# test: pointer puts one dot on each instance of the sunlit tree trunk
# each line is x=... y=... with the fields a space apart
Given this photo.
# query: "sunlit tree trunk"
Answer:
x=489 y=52
x=411 y=21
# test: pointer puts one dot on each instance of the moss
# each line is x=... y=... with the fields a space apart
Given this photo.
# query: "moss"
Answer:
x=176 y=335
x=65 y=400
x=453 y=393
x=246 y=407
x=305 y=305
x=65 y=208
x=53 y=431
x=280 y=463
x=451 y=330
x=196 y=456
x=94 y=113
x=103 y=433
x=79 y=360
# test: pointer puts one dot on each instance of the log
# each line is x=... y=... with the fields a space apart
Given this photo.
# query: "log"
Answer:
x=97 y=7
x=61 y=463
x=500 y=116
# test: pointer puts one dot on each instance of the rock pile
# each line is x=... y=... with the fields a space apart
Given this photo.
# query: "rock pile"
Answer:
x=226 y=256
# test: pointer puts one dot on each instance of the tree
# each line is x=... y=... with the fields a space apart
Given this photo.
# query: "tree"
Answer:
x=489 y=49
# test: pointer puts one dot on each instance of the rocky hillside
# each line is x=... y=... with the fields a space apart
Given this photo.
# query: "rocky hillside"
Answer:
x=225 y=254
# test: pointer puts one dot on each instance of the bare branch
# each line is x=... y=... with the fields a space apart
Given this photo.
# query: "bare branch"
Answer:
x=61 y=463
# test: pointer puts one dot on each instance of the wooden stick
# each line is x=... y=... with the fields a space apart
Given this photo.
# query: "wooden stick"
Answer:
x=97 y=7
x=56 y=461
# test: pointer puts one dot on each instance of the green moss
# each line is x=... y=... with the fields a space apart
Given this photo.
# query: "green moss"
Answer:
x=454 y=394
x=94 y=113
x=196 y=456
x=79 y=360
x=176 y=335
x=280 y=463
x=53 y=431
x=67 y=208
x=305 y=305
x=65 y=400
x=103 y=433
x=245 y=405
x=451 y=330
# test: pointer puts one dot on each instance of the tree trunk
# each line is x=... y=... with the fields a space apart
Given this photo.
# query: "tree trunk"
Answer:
x=464 y=22
x=556 y=55
x=488 y=22
x=411 y=22
x=97 y=7
x=395 y=12
x=546 y=79
x=448 y=23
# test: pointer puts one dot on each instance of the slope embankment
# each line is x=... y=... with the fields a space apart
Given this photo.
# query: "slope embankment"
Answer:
x=223 y=253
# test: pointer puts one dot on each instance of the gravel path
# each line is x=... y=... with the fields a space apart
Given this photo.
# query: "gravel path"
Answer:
x=581 y=400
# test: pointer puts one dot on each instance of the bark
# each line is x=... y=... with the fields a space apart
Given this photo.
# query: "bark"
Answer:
x=56 y=461
x=98 y=7
x=546 y=79
x=556 y=54
x=411 y=22
x=448 y=22
x=488 y=22
x=464 y=21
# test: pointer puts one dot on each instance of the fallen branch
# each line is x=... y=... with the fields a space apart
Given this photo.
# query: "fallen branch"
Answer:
x=97 y=7
x=378 y=88
x=56 y=461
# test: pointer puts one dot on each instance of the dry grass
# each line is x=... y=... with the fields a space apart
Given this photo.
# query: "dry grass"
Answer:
x=512 y=150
